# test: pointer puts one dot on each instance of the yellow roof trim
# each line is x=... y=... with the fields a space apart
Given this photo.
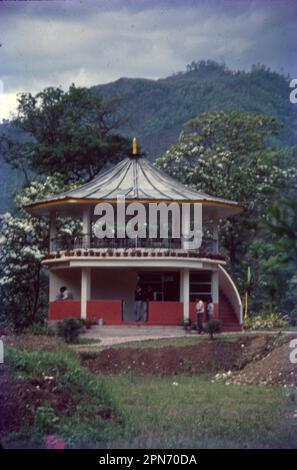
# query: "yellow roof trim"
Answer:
x=91 y=201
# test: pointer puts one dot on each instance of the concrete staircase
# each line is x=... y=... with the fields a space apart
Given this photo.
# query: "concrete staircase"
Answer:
x=227 y=315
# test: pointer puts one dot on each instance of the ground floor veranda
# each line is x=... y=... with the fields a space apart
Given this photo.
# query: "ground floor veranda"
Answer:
x=108 y=293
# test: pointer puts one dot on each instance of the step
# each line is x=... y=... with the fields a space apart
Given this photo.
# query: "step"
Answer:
x=232 y=328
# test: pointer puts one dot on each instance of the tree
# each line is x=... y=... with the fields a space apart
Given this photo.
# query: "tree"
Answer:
x=229 y=155
x=277 y=265
x=282 y=222
x=23 y=243
x=71 y=133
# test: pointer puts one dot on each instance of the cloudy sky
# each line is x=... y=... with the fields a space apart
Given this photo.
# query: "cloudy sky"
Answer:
x=57 y=42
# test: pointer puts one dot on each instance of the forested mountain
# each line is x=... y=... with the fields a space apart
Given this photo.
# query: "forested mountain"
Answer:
x=155 y=110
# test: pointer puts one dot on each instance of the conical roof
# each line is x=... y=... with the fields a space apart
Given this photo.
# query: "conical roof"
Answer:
x=134 y=178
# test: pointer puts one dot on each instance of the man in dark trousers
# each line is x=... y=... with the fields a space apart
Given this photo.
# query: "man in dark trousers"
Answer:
x=139 y=301
x=200 y=314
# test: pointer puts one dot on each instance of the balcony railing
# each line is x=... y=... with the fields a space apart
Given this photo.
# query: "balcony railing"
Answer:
x=86 y=242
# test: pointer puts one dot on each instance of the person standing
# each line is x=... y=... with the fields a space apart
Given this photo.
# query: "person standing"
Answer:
x=138 y=305
x=200 y=314
x=210 y=309
x=149 y=295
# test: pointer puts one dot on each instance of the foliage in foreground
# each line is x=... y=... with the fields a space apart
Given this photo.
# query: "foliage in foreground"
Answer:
x=90 y=398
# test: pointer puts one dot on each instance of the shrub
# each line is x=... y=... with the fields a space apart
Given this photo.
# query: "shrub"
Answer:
x=38 y=329
x=70 y=330
x=45 y=418
x=212 y=327
x=265 y=321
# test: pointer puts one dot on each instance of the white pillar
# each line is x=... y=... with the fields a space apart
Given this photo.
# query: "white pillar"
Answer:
x=186 y=293
x=85 y=293
x=216 y=234
x=215 y=287
x=53 y=229
x=86 y=226
x=181 y=286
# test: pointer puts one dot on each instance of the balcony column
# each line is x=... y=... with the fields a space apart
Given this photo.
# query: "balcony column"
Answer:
x=215 y=286
x=86 y=226
x=181 y=286
x=216 y=234
x=85 y=294
x=185 y=292
x=52 y=230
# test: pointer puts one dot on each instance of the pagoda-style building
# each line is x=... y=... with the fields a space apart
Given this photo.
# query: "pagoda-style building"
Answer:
x=102 y=274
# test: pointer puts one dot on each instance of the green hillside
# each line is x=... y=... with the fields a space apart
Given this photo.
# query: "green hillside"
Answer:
x=157 y=109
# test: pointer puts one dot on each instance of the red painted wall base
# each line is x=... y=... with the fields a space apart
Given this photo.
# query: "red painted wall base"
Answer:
x=159 y=313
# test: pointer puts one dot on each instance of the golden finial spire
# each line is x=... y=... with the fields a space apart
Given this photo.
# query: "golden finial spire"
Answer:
x=134 y=146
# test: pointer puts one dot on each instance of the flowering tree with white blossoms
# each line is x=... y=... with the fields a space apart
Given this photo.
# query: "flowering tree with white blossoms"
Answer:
x=231 y=155
x=23 y=243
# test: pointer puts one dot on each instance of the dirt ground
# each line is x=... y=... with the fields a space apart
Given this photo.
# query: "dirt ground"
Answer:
x=209 y=356
x=21 y=397
x=273 y=369
x=258 y=359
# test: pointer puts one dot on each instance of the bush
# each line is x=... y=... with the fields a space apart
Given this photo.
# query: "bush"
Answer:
x=265 y=321
x=70 y=329
x=45 y=418
x=37 y=329
x=212 y=327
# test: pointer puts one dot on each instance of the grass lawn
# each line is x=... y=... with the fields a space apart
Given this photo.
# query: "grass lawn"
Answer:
x=54 y=394
x=197 y=413
x=190 y=340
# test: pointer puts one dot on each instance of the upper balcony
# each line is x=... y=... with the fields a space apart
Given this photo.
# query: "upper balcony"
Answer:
x=87 y=245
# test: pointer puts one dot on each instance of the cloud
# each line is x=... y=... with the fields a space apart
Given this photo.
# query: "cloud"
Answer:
x=57 y=43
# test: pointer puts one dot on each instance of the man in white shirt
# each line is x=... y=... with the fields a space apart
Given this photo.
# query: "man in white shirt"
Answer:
x=200 y=314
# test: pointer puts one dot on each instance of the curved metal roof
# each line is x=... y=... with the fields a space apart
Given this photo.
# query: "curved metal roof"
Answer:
x=134 y=178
